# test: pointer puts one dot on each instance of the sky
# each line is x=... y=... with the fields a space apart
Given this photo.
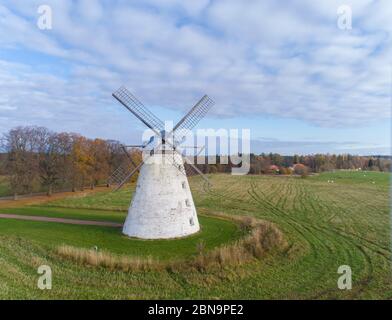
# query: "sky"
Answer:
x=283 y=69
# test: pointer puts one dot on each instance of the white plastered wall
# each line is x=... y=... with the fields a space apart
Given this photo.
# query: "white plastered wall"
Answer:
x=162 y=206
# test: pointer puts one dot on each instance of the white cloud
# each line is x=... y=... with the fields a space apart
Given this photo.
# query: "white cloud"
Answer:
x=253 y=58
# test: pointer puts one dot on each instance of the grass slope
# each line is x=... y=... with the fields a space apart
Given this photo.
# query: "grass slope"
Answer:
x=118 y=200
x=48 y=234
x=326 y=225
x=70 y=213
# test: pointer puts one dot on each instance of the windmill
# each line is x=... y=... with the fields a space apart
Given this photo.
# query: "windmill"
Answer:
x=162 y=206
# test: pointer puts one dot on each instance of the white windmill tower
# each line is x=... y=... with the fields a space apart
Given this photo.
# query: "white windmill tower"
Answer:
x=162 y=206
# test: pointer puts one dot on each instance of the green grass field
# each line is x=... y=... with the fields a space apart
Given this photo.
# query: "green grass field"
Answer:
x=106 y=200
x=326 y=224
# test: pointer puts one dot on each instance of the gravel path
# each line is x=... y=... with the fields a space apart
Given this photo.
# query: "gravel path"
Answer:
x=61 y=220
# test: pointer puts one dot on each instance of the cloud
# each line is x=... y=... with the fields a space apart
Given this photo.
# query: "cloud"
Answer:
x=290 y=147
x=254 y=58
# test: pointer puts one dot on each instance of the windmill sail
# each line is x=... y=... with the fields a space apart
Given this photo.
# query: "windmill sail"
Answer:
x=192 y=118
x=120 y=175
x=128 y=176
x=129 y=101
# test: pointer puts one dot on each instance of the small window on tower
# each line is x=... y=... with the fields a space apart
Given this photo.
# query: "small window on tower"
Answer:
x=183 y=185
x=188 y=204
x=191 y=222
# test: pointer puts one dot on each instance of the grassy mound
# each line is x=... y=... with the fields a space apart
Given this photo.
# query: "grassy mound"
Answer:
x=215 y=232
x=259 y=237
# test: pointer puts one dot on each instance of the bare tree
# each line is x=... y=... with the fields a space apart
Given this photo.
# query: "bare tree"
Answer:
x=100 y=157
x=53 y=153
x=22 y=145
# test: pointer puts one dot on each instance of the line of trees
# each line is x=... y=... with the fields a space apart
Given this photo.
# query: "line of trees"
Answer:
x=37 y=159
x=302 y=164
x=320 y=162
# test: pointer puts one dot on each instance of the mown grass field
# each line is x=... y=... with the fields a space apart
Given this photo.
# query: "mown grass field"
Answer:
x=326 y=224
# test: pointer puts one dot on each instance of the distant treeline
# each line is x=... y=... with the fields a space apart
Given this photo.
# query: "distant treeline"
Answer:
x=274 y=163
x=37 y=159
x=319 y=162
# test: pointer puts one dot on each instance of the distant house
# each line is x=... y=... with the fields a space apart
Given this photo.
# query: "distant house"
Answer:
x=273 y=168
